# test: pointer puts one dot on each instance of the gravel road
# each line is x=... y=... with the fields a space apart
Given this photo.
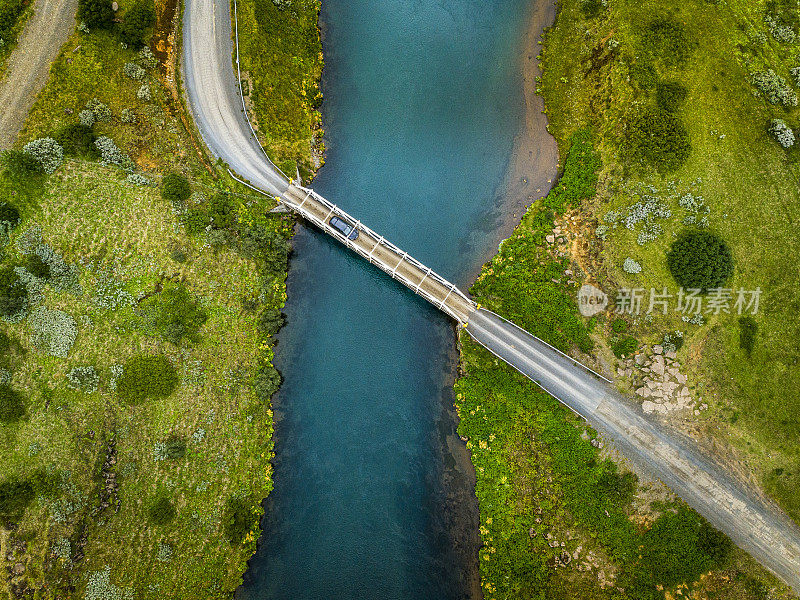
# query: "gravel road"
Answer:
x=52 y=23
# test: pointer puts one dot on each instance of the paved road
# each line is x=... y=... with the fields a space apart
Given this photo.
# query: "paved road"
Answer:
x=213 y=95
x=761 y=530
x=214 y=100
x=52 y=23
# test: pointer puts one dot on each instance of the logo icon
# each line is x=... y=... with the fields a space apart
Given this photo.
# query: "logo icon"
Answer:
x=591 y=300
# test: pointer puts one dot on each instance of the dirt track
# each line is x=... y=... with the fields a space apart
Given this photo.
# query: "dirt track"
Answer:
x=45 y=32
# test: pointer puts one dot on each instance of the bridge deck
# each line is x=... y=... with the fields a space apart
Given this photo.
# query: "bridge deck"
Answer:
x=379 y=251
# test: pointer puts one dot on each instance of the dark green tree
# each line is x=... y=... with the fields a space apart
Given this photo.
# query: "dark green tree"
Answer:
x=175 y=314
x=96 y=13
x=670 y=95
x=659 y=139
x=700 y=260
x=137 y=20
x=13 y=294
x=77 y=140
x=175 y=188
x=161 y=511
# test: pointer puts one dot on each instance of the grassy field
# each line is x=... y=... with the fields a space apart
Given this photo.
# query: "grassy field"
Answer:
x=160 y=498
x=281 y=57
x=600 y=73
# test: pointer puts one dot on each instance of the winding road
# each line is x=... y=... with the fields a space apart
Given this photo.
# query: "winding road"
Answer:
x=214 y=99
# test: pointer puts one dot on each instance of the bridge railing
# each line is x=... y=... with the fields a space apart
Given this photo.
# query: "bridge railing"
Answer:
x=392 y=270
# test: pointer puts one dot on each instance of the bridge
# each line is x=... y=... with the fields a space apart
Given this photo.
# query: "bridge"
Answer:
x=214 y=97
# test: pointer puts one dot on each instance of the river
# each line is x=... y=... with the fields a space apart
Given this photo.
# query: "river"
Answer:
x=373 y=492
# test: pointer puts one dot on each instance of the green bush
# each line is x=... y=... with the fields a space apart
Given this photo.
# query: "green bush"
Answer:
x=270 y=321
x=13 y=294
x=12 y=404
x=665 y=39
x=20 y=164
x=748 y=327
x=96 y=13
x=619 y=325
x=137 y=20
x=659 y=139
x=9 y=214
x=670 y=95
x=161 y=511
x=174 y=314
x=175 y=188
x=222 y=211
x=47 y=151
x=237 y=520
x=9 y=15
x=53 y=331
x=680 y=546
x=146 y=377
x=266 y=382
x=700 y=260
x=77 y=140
x=579 y=179
x=592 y=8
x=624 y=346
x=15 y=496
x=37 y=267
x=175 y=447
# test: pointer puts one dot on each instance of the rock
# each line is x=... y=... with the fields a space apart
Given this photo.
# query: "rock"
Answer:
x=550 y=239
x=658 y=349
x=680 y=377
x=671 y=354
x=644 y=392
x=568 y=272
x=658 y=367
x=639 y=360
x=532 y=532
x=18 y=569
x=114 y=6
x=696 y=413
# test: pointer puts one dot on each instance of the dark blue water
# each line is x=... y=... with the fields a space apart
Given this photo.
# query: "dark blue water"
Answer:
x=423 y=99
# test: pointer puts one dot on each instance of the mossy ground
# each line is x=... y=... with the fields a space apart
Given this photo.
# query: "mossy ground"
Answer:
x=105 y=456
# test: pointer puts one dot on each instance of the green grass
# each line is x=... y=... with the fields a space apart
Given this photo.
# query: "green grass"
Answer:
x=747 y=180
x=281 y=57
x=13 y=16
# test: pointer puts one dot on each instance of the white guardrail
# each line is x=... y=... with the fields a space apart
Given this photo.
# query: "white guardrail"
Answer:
x=415 y=286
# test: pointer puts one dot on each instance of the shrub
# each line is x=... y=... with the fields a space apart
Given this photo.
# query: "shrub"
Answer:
x=631 y=266
x=20 y=164
x=266 y=382
x=196 y=219
x=13 y=295
x=679 y=546
x=139 y=179
x=175 y=188
x=101 y=112
x=127 y=116
x=665 y=39
x=238 y=520
x=222 y=211
x=592 y=8
x=139 y=17
x=95 y=13
x=161 y=511
x=12 y=404
x=174 y=314
x=748 y=327
x=670 y=95
x=37 y=267
x=77 y=140
x=579 y=179
x=270 y=321
x=86 y=117
x=85 y=379
x=146 y=377
x=15 y=496
x=624 y=346
x=774 y=88
x=782 y=132
x=144 y=93
x=147 y=58
x=175 y=447
x=47 y=151
x=619 y=325
x=9 y=214
x=673 y=341
x=659 y=139
x=54 y=331
x=133 y=71
x=700 y=260
x=110 y=154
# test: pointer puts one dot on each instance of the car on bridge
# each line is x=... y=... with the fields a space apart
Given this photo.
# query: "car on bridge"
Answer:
x=343 y=227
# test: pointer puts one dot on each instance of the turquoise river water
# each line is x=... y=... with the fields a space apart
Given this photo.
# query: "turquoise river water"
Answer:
x=372 y=500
